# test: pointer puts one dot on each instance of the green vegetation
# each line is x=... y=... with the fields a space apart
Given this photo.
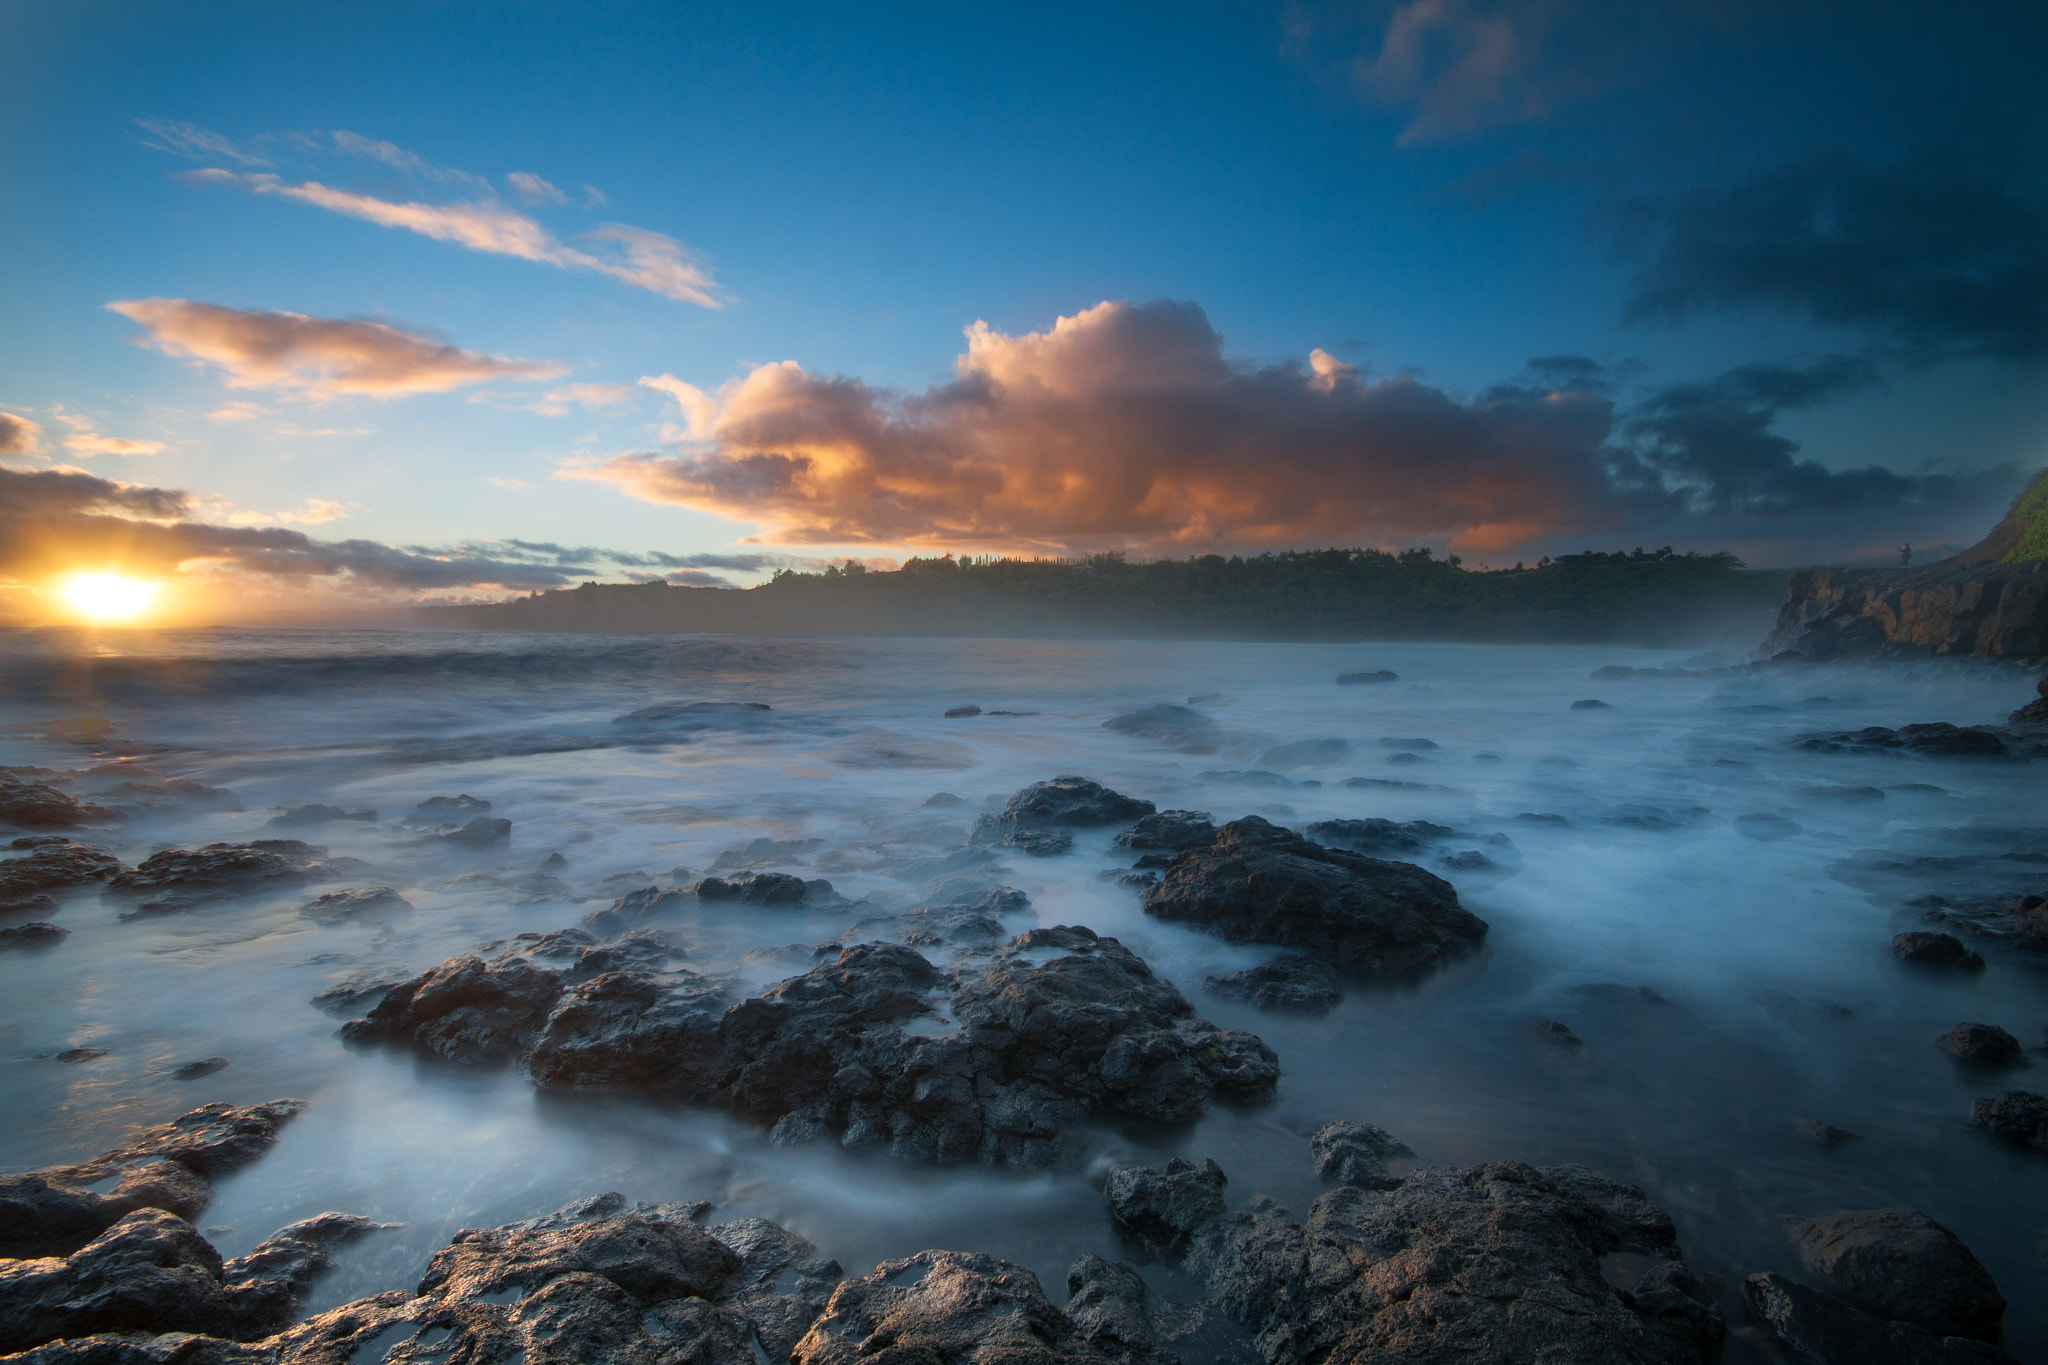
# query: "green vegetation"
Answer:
x=2029 y=521
x=1648 y=597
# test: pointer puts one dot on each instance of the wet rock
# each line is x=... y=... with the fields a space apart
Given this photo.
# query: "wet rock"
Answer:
x=34 y=805
x=1131 y=877
x=1165 y=1206
x=1898 y=1263
x=1246 y=777
x=1982 y=1045
x=1543 y=818
x=1556 y=1034
x=355 y=995
x=308 y=817
x=465 y=1010
x=1938 y=738
x=2016 y=1117
x=1467 y=860
x=1818 y=1329
x=34 y=934
x=944 y=1308
x=1935 y=950
x=1310 y=753
x=1382 y=675
x=70 y=1056
x=1040 y=843
x=192 y=1071
x=1497 y=1264
x=365 y=902
x=264 y=1288
x=1416 y=745
x=1168 y=830
x=1844 y=796
x=179 y=879
x=1590 y=704
x=1062 y=803
x=1288 y=985
x=962 y=711
x=1106 y=1301
x=439 y=808
x=1825 y=1136
x=755 y=888
x=1166 y=723
x=52 y=866
x=1379 y=838
x=694 y=715
x=148 y=1272
x=1257 y=883
x=480 y=831
x=157 y=794
x=1357 y=1154
x=2034 y=712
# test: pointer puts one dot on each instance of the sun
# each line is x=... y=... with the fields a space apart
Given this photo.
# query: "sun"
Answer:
x=109 y=596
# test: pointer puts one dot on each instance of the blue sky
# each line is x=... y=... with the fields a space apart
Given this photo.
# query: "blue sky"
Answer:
x=1439 y=190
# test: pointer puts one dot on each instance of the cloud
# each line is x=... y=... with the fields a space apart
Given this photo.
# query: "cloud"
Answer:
x=512 y=484
x=1934 y=252
x=555 y=402
x=634 y=256
x=190 y=140
x=18 y=435
x=317 y=511
x=699 y=409
x=58 y=520
x=531 y=189
x=1126 y=426
x=325 y=357
x=92 y=443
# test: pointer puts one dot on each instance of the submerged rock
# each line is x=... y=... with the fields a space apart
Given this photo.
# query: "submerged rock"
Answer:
x=1498 y=1264
x=1288 y=985
x=1169 y=831
x=179 y=879
x=1816 y=1327
x=1935 y=950
x=364 y=902
x=52 y=1212
x=1380 y=675
x=1166 y=723
x=1938 y=737
x=876 y=1046
x=2016 y=1117
x=35 y=805
x=1257 y=883
x=1824 y=1135
x=1898 y=1263
x=51 y=866
x=1377 y=837
x=34 y=934
x=1061 y=803
x=755 y=888
x=1983 y=1045
x=306 y=817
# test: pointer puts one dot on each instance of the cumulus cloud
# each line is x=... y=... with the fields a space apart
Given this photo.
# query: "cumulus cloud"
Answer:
x=1933 y=251
x=56 y=520
x=1126 y=426
x=634 y=256
x=18 y=435
x=324 y=357
x=92 y=443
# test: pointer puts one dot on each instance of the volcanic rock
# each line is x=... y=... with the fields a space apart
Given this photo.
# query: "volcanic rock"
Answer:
x=34 y=934
x=755 y=888
x=1357 y=1154
x=1898 y=1263
x=178 y=879
x=1063 y=802
x=1819 y=1328
x=1984 y=1045
x=1377 y=837
x=1106 y=1301
x=1293 y=985
x=1257 y=883
x=339 y=907
x=1823 y=1135
x=34 y=805
x=1935 y=950
x=49 y=866
x=305 y=817
x=944 y=1308
x=1168 y=830
x=1938 y=738
x=2018 y=1117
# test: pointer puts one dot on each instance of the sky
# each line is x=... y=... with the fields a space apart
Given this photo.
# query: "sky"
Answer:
x=326 y=304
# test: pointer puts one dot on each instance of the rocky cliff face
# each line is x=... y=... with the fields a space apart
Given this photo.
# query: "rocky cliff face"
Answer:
x=1997 y=611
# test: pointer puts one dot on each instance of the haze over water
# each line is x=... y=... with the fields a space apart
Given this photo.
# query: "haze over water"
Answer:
x=1774 y=996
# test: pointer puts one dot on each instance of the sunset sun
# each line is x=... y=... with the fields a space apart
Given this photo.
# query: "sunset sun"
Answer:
x=109 y=597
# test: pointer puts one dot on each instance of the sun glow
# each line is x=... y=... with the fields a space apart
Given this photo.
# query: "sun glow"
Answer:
x=109 y=597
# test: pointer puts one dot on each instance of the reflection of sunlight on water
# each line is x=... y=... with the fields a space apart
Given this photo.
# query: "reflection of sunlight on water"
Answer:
x=1773 y=998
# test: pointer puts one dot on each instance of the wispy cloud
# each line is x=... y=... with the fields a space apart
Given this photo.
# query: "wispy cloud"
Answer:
x=200 y=144
x=531 y=189
x=316 y=512
x=18 y=435
x=92 y=443
x=323 y=357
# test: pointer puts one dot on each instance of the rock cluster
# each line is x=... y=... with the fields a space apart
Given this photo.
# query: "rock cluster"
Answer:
x=179 y=879
x=51 y=864
x=876 y=1046
x=1934 y=737
x=1056 y=807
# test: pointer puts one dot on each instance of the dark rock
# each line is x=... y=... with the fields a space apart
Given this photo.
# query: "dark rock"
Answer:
x=1589 y=704
x=192 y=1071
x=1469 y=860
x=339 y=907
x=1957 y=607
x=439 y=808
x=755 y=888
x=1063 y=802
x=72 y=1055
x=694 y=715
x=356 y=994
x=1556 y=1034
x=157 y=794
x=554 y=862
x=1379 y=837
x=1165 y=1206
x=1762 y=825
x=148 y=1272
x=1825 y=1136
x=178 y=879
x=465 y=1010
x=1357 y=1154
x=1413 y=745
x=1900 y=1264
x=306 y=817
x=51 y=866
x=1383 y=675
x=942 y=801
x=1985 y=1045
x=944 y=1308
x=1935 y=950
x=1249 y=777
x=960 y=711
x=1107 y=1305
x=1612 y=673
x=1132 y=877
x=2034 y=712
x=264 y=1288
x=1848 y=796
x=480 y=831
x=1168 y=830
x=2016 y=1117
x=1313 y=753
x=1165 y=723
x=1288 y=985
x=1498 y=1264
x=33 y=805
x=1542 y=818
x=1818 y=1329
x=1938 y=738
x=1404 y=757
x=34 y=934
x=1040 y=843
x=1257 y=883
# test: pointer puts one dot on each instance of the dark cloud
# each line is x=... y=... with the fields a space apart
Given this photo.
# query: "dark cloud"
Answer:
x=54 y=520
x=1937 y=252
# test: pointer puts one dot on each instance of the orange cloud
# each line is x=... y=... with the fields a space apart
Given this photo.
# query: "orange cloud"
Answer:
x=1125 y=425
x=92 y=443
x=325 y=357
x=18 y=435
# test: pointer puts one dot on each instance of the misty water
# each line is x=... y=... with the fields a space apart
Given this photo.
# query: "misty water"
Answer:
x=1774 y=1000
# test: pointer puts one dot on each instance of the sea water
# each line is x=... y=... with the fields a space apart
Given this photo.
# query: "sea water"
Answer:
x=1725 y=985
